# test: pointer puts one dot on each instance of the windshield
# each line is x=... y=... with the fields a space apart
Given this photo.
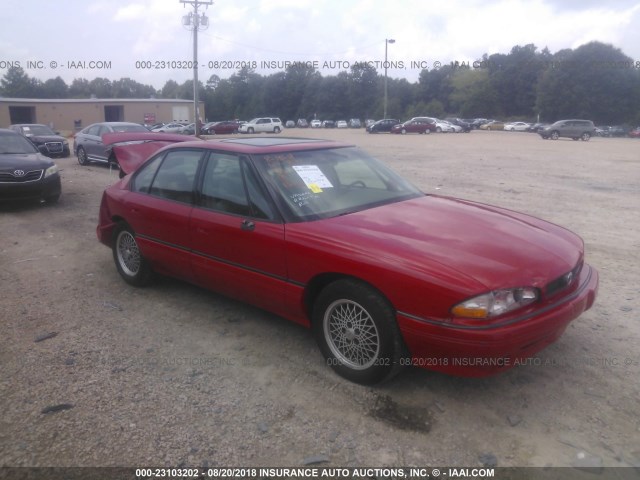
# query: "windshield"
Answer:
x=317 y=184
x=15 y=144
x=37 y=130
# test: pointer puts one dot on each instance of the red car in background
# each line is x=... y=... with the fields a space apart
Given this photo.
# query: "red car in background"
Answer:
x=324 y=235
x=221 y=128
x=414 y=126
x=635 y=133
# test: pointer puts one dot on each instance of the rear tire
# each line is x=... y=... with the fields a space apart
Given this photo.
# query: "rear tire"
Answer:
x=356 y=330
x=131 y=265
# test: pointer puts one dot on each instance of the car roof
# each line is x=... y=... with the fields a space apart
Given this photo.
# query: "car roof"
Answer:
x=6 y=131
x=29 y=125
x=260 y=145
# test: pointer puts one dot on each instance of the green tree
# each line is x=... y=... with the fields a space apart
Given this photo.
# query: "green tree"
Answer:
x=55 y=88
x=594 y=81
x=17 y=84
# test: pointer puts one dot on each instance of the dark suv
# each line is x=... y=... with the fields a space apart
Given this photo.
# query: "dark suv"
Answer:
x=384 y=125
x=49 y=143
x=575 y=129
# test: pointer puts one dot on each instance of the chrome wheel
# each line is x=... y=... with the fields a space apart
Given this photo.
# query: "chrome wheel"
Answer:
x=128 y=254
x=351 y=334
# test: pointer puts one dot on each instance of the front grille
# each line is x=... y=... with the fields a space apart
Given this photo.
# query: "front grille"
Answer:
x=563 y=281
x=54 y=147
x=10 y=177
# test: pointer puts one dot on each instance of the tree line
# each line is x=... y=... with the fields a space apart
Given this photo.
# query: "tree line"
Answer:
x=594 y=81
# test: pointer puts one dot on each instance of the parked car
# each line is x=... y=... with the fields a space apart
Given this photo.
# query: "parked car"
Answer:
x=368 y=122
x=574 y=129
x=451 y=126
x=25 y=173
x=225 y=127
x=516 y=126
x=635 y=133
x=324 y=235
x=316 y=123
x=262 y=125
x=341 y=124
x=328 y=124
x=466 y=126
x=290 y=124
x=536 y=127
x=414 y=126
x=50 y=143
x=355 y=123
x=302 y=123
x=384 y=125
x=443 y=127
x=492 y=125
x=88 y=145
x=173 y=127
x=188 y=129
x=618 y=131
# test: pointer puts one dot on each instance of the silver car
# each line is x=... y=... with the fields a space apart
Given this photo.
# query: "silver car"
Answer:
x=88 y=145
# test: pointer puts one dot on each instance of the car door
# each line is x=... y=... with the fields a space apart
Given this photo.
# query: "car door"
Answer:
x=92 y=141
x=238 y=238
x=263 y=125
x=159 y=210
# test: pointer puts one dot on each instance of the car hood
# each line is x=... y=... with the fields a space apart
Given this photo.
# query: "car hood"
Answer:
x=46 y=138
x=481 y=244
x=23 y=161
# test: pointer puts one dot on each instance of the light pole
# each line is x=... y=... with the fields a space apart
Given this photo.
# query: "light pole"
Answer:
x=196 y=20
x=387 y=41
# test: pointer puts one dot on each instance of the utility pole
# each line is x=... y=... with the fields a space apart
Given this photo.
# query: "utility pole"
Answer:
x=195 y=21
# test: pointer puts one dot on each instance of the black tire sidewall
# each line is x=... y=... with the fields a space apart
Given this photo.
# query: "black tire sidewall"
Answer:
x=391 y=345
x=144 y=274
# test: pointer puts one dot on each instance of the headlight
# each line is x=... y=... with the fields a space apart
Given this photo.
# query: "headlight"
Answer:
x=495 y=303
x=52 y=170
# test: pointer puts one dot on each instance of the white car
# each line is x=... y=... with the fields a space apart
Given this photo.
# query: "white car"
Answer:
x=262 y=124
x=170 y=128
x=342 y=124
x=445 y=127
x=316 y=124
x=516 y=126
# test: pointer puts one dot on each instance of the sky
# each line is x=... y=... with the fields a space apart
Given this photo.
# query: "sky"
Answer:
x=146 y=41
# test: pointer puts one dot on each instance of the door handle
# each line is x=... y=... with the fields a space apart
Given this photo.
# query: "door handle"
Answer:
x=248 y=225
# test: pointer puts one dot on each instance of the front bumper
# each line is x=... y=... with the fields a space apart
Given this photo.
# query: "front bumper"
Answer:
x=486 y=350
x=40 y=190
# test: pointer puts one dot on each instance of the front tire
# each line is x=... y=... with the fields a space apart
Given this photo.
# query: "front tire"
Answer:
x=356 y=330
x=585 y=137
x=555 y=135
x=131 y=265
x=276 y=130
x=82 y=156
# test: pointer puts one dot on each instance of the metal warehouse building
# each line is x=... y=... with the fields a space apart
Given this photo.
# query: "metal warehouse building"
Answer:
x=71 y=115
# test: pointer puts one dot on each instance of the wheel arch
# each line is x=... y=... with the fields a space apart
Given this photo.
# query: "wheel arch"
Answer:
x=321 y=281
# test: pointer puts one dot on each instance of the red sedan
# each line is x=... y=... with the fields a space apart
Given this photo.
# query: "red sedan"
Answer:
x=221 y=128
x=324 y=235
x=414 y=126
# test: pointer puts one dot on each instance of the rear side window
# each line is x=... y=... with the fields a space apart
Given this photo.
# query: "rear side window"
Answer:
x=143 y=179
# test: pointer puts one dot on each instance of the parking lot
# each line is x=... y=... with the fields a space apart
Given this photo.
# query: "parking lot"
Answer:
x=98 y=373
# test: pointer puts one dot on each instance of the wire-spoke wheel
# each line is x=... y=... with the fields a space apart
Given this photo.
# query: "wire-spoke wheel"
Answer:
x=131 y=265
x=352 y=334
x=356 y=330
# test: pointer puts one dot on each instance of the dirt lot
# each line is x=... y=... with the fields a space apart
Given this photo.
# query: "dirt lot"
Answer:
x=174 y=375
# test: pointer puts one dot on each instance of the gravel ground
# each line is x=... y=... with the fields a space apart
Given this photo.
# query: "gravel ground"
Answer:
x=97 y=373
